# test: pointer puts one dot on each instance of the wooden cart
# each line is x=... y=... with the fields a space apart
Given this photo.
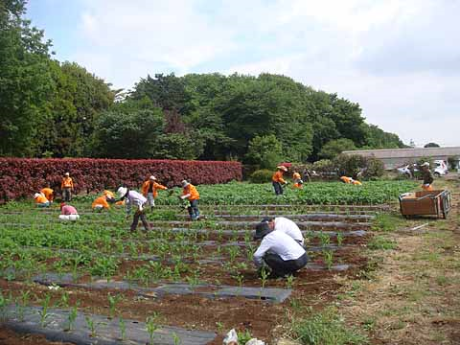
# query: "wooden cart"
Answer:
x=426 y=203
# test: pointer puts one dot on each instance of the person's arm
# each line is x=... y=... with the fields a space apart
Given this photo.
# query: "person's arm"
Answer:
x=260 y=252
x=160 y=186
x=71 y=183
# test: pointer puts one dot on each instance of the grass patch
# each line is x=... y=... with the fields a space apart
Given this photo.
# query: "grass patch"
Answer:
x=326 y=328
x=381 y=243
x=387 y=222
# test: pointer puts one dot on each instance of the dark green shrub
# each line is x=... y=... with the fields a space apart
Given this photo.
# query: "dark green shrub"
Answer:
x=261 y=176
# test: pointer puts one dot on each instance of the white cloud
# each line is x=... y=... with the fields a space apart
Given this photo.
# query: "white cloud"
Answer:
x=398 y=59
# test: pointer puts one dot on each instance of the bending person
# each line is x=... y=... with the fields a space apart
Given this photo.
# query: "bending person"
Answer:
x=280 y=252
x=133 y=198
x=191 y=194
x=41 y=200
x=284 y=225
x=427 y=177
x=68 y=212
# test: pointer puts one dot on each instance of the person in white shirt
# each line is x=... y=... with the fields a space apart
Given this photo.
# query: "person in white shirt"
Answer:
x=280 y=252
x=133 y=198
x=287 y=226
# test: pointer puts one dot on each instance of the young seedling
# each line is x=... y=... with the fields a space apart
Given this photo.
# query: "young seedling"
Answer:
x=4 y=301
x=92 y=326
x=264 y=276
x=328 y=258
x=176 y=339
x=43 y=313
x=64 y=302
x=71 y=318
x=290 y=281
x=339 y=239
x=152 y=326
x=113 y=301
x=21 y=304
x=122 y=326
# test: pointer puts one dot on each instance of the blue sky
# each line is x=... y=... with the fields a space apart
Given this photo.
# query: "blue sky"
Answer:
x=397 y=59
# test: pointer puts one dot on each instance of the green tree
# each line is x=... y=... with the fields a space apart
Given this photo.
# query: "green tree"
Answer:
x=335 y=147
x=178 y=146
x=133 y=134
x=431 y=145
x=265 y=151
x=25 y=80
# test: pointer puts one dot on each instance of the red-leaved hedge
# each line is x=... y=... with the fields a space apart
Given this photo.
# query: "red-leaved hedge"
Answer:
x=21 y=177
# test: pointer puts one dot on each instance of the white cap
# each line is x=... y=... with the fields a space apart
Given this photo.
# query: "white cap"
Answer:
x=36 y=195
x=282 y=167
x=185 y=183
x=122 y=192
x=153 y=178
x=426 y=164
x=67 y=174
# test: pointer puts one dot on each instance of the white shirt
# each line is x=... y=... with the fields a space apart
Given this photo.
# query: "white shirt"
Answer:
x=136 y=199
x=289 y=228
x=278 y=242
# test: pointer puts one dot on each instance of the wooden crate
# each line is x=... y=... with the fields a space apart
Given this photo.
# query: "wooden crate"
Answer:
x=425 y=203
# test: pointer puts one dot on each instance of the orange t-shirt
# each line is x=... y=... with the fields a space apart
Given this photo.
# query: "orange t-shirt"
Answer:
x=41 y=199
x=191 y=189
x=278 y=177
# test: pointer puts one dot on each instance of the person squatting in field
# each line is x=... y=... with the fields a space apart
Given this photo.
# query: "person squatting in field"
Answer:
x=349 y=180
x=104 y=201
x=190 y=193
x=68 y=212
x=427 y=177
x=48 y=193
x=280 y=252
x=133 y=198
x=285 y=225
x=41 y=200
x=67 y=187
x=298 y=182
x=277 y=179
x=150 y=190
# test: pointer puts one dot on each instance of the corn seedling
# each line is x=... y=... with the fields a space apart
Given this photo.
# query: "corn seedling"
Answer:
x=328 y=256
x=264 y=276
x=113 y=300
x=71 y=318
x=176 y=339
x=152 y=325
x=22 y=303
x=339 y=239
x=43 y=313
x=92 y=326
x=290 y=281
x=122 y=326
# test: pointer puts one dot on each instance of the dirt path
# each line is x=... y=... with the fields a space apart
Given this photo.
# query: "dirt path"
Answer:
x=413 y=297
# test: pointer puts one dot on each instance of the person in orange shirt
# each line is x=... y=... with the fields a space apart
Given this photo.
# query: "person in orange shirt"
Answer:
x=67 y=187
x=277 y=179
x=150 y=190
x=41 y=200
x=48 y=193
x=298 y=182
x=103 y=201
x=191 y=194
x=349 y=180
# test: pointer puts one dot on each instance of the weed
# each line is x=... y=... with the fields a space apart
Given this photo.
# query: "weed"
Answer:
x=386 y=222
x=244 y=336
x=325 y=328
x=381 y=243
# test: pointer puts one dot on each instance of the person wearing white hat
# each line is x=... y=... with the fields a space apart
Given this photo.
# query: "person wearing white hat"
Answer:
x=277 y=179
x=191 y=194
x=67 y=187
x=427 y=177
x=150 y=190
x=133 y=198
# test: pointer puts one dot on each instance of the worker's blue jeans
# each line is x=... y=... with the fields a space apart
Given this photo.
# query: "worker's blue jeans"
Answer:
x=193 y=210
x=278 y=188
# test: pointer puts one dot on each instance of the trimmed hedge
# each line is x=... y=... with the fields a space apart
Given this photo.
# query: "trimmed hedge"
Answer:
x=21 y=177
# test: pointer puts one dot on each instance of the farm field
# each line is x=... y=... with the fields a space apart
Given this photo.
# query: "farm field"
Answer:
x=197 y=276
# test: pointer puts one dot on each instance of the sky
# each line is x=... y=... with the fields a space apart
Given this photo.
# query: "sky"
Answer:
x=399 y=59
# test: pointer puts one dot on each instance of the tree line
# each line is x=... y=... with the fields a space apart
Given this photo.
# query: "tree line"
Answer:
x=54 y=109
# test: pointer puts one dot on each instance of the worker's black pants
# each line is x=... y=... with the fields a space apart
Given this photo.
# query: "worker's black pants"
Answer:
x=281 y=268
x=141 y=215
x=193 y=210
x=67 y=194
x=278 y=188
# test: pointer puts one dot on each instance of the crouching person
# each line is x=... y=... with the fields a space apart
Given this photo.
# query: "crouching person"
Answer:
x=279 y=251
x=41 y=200
x=103 y=201
x=68 y=212
x=133 y=198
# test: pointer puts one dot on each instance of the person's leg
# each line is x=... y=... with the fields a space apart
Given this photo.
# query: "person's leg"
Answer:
x=70 y=194
x=276 y=187
x=194 y=206
x=144 y=221
x=64 y=194
x=135 y=221
x=150 y=200
x=276 y=264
